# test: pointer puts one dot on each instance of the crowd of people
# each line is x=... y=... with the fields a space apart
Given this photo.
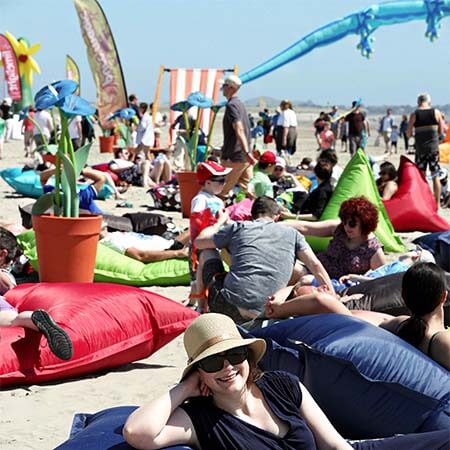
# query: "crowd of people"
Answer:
x=223 y=400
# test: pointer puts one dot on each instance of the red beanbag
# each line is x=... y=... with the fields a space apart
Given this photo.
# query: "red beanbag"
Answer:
x=104 y=167
x=109 y=325
x=413 y=207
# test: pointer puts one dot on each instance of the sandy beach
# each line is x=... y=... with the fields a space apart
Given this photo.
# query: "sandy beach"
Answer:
x=39 y=417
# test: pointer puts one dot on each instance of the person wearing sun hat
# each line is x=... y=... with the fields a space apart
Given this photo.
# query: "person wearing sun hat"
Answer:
x=205 y=206
x=236 y=149
x=225 y=401
x=261 y=184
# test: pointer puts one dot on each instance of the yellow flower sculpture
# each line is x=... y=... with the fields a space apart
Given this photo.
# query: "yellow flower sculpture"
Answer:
x=24 y=52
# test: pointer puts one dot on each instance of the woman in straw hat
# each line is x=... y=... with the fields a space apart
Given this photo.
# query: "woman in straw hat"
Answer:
x=224 y=402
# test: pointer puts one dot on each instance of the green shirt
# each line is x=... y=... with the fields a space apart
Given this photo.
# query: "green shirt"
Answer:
x=2 y=126
x=261 y=185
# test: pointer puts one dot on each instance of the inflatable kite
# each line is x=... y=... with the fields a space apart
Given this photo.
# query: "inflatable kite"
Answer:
x=27 y=65
x=413 y=207
x=362 y=23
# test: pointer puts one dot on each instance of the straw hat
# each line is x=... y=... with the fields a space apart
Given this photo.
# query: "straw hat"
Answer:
x=214 y=333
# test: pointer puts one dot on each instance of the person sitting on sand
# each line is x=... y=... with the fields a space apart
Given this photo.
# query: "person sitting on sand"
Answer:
x=143 y=247
x=263 y=259
x=224 y=401
x=354 y=248
x=39 y=320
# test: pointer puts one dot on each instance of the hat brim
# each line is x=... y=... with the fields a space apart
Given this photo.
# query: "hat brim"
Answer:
x=256 y=345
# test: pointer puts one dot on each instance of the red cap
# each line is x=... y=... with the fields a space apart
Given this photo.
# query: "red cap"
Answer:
x=208 y=169
x=268 y=157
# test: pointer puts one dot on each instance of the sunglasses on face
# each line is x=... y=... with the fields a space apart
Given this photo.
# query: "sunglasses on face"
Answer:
x=214 y=363
x=352 y=223
x=220 y=180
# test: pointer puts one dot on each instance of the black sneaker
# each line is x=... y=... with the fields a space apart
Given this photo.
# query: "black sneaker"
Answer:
x=58 y=340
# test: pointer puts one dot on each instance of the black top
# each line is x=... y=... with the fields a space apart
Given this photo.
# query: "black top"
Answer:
x=355 y=123
x=425 y=118
x=426 y=130
x=232 y=149
x=318 y=199
x=216 y=429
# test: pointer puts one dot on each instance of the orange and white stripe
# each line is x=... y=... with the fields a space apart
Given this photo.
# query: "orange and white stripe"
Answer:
x=185 y=81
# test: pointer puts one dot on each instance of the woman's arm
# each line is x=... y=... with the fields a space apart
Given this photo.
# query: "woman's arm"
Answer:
x=378 y=259
x=325 y=435
x=162 y=423
x=324 y=228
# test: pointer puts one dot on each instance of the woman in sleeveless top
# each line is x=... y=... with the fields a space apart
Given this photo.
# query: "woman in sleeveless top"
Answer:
x=354 y=248
x=424 y=291
x=426 y=123
x=224 y=402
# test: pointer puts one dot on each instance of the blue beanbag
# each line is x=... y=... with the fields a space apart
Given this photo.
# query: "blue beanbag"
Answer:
x=28 y=183
x=369 y=382
x=103 y=431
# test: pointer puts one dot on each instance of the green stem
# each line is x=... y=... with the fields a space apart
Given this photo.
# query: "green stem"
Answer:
x=54 y=126
x=44 y=139
x=210 y=133
x=74 y=204
x=195 y=141
x=63 y=141
x=186 y=124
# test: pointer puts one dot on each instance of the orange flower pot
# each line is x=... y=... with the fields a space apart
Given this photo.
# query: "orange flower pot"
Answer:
x=66 y=247
x=189 y=188
x=106 y=144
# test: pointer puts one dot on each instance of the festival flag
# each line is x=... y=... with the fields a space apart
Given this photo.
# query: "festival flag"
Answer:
x=185 y=81
x=103 y=59
x=11 y=68
x=73 y=72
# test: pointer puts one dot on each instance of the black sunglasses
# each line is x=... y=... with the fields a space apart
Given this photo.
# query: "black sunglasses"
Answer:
x=218 y=180
x=214 y=363
x=351 y=223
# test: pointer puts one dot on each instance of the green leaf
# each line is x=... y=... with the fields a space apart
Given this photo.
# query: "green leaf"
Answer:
x=81 y=156
x=69 y=185
x=121 y=143
x=43 y=204
x=51 y=148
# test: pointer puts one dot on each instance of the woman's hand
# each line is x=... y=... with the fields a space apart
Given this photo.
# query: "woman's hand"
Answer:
x=272 y=307
x=194 y=386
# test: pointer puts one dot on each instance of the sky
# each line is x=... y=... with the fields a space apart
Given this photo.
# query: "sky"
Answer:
x=221 y=33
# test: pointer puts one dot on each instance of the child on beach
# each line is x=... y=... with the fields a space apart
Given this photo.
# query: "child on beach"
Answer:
x=39 y=320
x=261 y=184
x=326 y=137
x=395 y=134
x=204 y=208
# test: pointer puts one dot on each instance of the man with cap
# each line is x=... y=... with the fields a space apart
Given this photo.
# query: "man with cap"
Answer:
x=261 y=184
x=236 y=151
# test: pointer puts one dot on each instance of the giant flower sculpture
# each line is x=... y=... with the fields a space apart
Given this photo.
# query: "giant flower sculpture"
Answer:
x=27 y=65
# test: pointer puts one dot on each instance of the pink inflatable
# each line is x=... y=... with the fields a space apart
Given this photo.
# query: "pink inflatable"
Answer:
x=109 y=325
x=413 y=207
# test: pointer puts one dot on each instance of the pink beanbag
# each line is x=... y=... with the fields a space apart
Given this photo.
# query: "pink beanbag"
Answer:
x=104 y=167
x=241 y=210
x=109 y=324
x=413 y=207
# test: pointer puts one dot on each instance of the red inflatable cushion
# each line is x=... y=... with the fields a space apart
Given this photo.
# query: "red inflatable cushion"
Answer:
x=109 y=324
x=104 y=167
x=413 y=207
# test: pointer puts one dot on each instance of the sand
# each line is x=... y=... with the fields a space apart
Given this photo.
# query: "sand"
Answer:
x=39 y=417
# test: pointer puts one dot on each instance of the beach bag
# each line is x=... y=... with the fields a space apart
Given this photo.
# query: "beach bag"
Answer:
x=109 y=325
x=167 y=197
x=148 y=223
x=369 y=382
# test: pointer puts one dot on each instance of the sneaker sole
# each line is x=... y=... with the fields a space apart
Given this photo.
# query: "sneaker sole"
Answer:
x=58 y=340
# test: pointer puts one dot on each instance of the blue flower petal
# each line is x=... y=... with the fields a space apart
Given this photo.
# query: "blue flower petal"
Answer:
x=200 y=100
x=24 y=113
x=218 y=106
x=50 y=95
x=180 y=106
x=127 y=113
x=72 y=105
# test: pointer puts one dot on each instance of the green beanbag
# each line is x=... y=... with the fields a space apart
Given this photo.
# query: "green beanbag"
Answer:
x=356 y=180
x=112 y=267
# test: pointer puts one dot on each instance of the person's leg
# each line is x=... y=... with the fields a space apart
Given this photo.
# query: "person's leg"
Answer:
x=406 y=141
x=156 y=171
x=246 y=176
x=166 y=172
x=110 y=182
x=232 y=178
x=352 y=145
x=144 y=168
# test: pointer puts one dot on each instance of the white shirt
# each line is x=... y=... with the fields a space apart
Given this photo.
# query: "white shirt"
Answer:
x=44 y=120
x=74 y=127
x=287 y=119
x=204 y=200
x=120 y=241
x=387 y=123
x=145 y=122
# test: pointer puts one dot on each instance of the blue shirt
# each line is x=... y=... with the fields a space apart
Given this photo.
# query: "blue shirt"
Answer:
x=86 y=196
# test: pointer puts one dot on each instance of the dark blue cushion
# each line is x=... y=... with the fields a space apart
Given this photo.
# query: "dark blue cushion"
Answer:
x=369 y=382
x=102 y=431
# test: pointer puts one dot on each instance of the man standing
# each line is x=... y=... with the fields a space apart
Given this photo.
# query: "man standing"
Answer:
x=427 y=125
x=355 y=127
x=386 y=125
x=236 y=152
x=263 y=256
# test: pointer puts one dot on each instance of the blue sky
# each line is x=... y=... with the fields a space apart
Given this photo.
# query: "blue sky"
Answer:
x=221 y=33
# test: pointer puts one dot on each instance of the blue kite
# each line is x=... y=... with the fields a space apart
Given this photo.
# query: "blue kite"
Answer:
x=362 y=23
